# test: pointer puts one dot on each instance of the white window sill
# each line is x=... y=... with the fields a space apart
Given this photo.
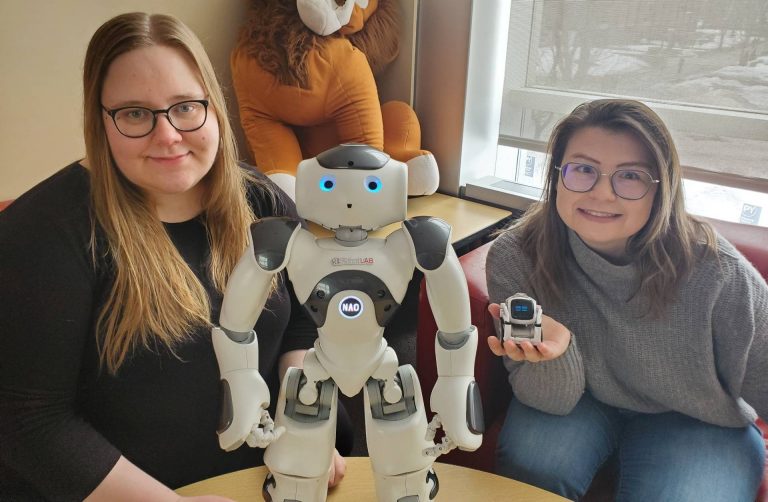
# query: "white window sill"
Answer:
x=501 y=192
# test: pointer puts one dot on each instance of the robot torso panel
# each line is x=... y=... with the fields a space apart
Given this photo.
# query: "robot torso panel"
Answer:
x=351 y=284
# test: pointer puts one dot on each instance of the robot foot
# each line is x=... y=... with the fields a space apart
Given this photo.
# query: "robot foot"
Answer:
x=282 y=488
x=419 y=486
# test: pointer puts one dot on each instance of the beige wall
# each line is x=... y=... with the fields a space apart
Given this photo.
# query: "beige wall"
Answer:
x=42 y=45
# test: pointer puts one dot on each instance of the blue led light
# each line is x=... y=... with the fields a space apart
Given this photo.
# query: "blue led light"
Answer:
x=373 y=184
x=327 y=183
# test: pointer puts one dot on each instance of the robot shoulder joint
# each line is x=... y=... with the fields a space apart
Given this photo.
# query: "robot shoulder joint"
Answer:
x=271 y=237
x=431 y=238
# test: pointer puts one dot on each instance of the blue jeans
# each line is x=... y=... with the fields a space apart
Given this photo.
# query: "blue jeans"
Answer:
x=661 y=457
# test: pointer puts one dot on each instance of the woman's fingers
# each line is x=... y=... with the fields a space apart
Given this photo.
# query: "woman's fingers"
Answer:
x=495 y=346
x=338 y=469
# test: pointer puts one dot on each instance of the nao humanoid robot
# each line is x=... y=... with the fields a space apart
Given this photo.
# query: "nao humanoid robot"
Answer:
x=350 y=285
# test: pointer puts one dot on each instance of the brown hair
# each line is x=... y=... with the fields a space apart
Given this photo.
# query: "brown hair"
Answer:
x=155 y=295
x=667 y=246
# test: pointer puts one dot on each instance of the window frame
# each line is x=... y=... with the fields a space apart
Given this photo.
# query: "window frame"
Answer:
x=465 y=137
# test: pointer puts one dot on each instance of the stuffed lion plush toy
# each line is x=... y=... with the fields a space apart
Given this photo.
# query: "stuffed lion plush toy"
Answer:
x=303 y=73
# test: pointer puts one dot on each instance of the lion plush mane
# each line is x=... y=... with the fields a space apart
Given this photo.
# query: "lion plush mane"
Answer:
x=280 y=42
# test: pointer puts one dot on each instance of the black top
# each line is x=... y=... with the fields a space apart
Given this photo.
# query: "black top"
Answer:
x=63 y=421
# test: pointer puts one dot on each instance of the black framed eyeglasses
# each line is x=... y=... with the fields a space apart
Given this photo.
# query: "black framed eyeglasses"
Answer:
x=630 y=184
x=137 y=121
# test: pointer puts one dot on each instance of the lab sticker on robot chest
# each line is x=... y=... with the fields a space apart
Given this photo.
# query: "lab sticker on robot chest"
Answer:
x=344 y=261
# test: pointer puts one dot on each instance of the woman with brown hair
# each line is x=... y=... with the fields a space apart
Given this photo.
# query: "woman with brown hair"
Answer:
x=655 y=330
x=113 y=271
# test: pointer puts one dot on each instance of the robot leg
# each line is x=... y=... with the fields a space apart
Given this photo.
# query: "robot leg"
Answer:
x=300 y=460
x=396 y=434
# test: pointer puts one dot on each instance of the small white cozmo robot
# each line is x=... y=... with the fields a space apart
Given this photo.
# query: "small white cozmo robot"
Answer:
x=520 y=319
x=350 y=285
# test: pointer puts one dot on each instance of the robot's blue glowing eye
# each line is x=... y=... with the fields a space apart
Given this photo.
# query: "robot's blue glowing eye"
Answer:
x=327 y=183
x=373 y=184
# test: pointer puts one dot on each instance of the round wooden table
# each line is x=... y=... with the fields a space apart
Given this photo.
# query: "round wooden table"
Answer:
x=456 y=484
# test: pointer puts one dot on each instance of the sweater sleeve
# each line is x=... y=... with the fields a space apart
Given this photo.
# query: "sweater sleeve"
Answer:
x=46 y=311
x=740 y=330
x=553 y=386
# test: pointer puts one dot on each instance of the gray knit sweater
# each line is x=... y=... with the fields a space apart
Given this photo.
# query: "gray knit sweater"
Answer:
x=706 y=358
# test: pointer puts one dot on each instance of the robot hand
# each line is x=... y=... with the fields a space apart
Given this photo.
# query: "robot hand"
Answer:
x=245 y=395
x=442 y=447
x=453 y=401
x=245 y=417
x=264 y=433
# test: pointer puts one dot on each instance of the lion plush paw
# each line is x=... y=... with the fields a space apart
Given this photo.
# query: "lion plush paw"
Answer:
x=423 y=175
x=286 y=182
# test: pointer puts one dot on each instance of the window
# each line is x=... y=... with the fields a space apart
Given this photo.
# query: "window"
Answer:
x=701 y=64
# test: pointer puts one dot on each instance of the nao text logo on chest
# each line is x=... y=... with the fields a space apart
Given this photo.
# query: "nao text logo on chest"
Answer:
x=351 y=307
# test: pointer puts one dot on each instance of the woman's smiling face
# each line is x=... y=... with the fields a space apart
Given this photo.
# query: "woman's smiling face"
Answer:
x=601 y=219
x=167 y=165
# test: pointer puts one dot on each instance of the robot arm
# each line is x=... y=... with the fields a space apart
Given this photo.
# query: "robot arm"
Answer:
x=455 y=397
x=245 y=395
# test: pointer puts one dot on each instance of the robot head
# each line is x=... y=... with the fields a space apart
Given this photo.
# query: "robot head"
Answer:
x=352 y=186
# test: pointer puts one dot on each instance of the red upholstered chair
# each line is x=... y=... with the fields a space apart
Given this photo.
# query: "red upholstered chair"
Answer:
x=489 y=371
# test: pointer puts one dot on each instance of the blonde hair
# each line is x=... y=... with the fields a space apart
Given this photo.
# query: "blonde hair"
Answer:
x=155 y=296
x=668 y=245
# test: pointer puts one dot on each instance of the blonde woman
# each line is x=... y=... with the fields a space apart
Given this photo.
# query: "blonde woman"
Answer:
x=112 y=273
x=655 y=330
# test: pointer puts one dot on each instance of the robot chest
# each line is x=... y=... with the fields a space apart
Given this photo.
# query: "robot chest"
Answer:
x=347 y=293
